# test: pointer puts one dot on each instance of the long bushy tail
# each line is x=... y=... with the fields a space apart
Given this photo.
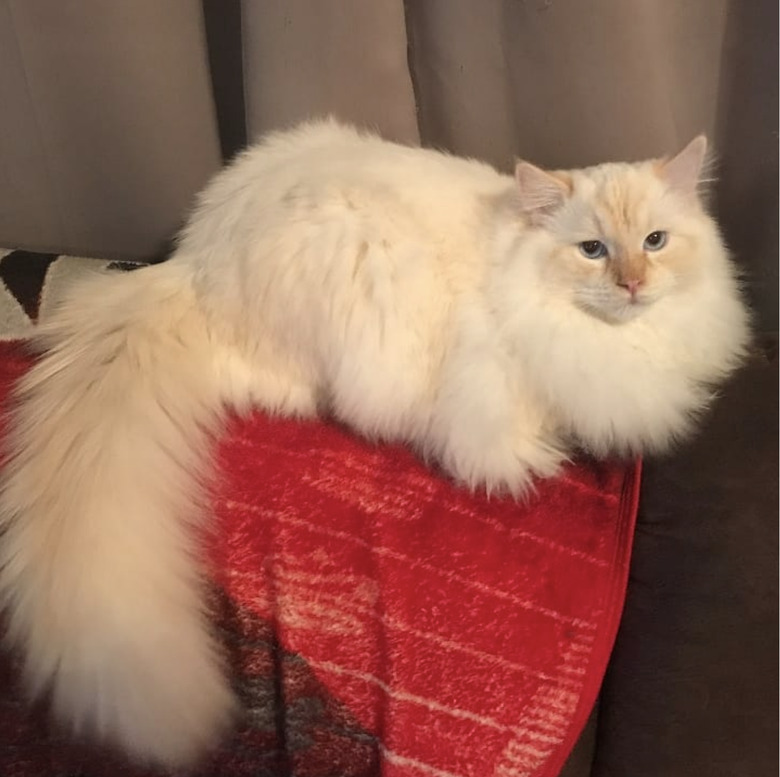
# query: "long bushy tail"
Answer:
x=99 y=509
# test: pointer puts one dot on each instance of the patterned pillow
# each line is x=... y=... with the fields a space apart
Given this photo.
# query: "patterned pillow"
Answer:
x=33 y=282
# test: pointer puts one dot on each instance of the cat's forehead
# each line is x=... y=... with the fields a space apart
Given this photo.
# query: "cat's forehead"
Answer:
x=614 y=185
x=618 y=197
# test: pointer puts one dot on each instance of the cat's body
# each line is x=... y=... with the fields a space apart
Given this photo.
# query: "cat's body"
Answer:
x=414 y=296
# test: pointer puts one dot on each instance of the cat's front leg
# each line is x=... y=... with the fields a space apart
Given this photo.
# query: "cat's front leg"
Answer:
x=486 y=433
x=501 y=457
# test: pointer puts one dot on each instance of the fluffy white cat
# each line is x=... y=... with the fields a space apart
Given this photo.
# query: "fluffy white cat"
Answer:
x=493 y=323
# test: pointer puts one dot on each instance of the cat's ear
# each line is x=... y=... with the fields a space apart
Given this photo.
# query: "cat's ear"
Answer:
x=539 y=192
x=683 y=172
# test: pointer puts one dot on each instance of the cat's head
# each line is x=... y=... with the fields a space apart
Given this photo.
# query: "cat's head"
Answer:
x=618 y=237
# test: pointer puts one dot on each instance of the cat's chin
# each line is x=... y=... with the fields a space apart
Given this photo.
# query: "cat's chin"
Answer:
x=620 y=312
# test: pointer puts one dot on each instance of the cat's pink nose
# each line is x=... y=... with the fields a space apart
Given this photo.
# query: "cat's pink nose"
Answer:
x=632 y=286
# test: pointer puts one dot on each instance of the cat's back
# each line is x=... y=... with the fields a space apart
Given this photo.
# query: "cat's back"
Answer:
x=321 y=167
x=328 y=153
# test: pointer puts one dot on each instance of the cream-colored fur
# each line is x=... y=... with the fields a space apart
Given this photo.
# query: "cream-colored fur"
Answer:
x=413 y=295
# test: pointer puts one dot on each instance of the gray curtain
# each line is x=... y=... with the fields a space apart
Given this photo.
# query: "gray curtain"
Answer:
x=114 y=113
x=107 y=123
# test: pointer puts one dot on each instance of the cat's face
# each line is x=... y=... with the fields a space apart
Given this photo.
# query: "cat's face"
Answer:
x=621 y=236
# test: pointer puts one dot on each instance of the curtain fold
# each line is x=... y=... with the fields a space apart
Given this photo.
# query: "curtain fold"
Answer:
x=108 y=124
x=343 y=57
x=566 y=83
x=746 y=191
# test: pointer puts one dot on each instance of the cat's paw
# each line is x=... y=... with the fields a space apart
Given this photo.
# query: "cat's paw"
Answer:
x=507 y=467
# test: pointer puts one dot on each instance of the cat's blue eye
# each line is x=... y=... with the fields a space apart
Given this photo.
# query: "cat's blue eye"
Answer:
x=655 y=240
x=592 y=249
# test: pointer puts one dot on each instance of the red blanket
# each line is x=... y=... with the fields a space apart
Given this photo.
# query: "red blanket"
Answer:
x=382 y=621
